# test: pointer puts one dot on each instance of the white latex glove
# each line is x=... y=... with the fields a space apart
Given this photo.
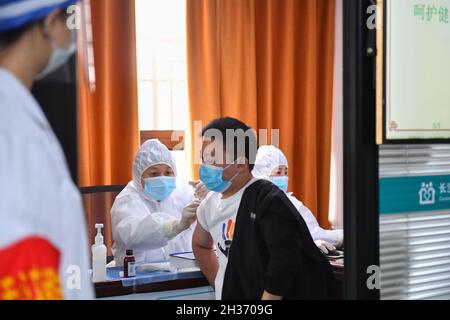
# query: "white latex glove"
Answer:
x=189 y=215
x=324 y=246
x=200 y=190
x=173 y=227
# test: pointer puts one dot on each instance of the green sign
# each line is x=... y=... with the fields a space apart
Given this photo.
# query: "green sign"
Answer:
x=414 y=194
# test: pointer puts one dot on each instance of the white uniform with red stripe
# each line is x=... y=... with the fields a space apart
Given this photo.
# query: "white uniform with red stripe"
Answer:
x=43 y=238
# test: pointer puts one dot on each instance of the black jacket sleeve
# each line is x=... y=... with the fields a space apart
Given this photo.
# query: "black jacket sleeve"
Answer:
x=281 y=231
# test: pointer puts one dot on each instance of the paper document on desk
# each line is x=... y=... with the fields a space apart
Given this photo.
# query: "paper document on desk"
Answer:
x=156 y=266
x=183 y=260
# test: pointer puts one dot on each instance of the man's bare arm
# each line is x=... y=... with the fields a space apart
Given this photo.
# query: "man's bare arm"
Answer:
x=203 y=247
x=269 y=296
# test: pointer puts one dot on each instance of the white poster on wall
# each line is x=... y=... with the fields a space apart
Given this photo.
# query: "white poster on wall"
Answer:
x=417 y=69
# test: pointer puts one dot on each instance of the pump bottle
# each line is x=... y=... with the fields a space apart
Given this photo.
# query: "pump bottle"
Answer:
x=99 y=256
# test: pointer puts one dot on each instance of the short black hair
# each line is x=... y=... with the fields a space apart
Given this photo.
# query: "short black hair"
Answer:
x=8 y=38
x=232 y=125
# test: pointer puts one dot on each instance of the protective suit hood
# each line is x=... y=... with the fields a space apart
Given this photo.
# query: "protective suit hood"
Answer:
x=151 y=153
x=267 y=160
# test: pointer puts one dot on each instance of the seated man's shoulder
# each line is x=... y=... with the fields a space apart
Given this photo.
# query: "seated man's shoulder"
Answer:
x=275 y=198
x=266 y=190
x=211 y=200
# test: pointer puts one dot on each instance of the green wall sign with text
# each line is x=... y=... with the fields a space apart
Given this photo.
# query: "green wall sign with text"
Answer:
x=414 y=194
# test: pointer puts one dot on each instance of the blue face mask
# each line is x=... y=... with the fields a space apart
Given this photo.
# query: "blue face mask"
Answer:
x=212 y=177
x=160 y=188
x=281 y=182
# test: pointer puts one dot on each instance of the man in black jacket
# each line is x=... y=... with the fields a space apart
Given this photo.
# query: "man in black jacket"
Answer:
x=264 y=248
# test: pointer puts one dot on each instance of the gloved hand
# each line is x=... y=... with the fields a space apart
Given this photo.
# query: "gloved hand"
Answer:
x=189 y=215
x=325 y=246
x=200 y=190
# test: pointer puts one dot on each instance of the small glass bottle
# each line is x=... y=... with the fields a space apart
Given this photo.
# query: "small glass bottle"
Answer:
x=129 y=267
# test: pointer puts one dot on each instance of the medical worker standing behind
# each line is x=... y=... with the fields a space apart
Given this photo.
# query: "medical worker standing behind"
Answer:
x=155 y=213
x=272 y=164
x=43 y=238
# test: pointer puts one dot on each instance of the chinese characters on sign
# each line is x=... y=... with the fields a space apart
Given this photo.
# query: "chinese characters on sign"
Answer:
x=444 y=191
x=431 y=12
x=414 y=194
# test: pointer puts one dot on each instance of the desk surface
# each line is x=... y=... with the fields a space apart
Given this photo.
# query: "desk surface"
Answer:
x=144 y=282
x=151 y=282
x=197 y=293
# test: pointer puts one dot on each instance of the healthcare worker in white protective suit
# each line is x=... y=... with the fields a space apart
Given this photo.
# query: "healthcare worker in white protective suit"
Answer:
x=154 y=215
x=43 y=238
x=272 y=164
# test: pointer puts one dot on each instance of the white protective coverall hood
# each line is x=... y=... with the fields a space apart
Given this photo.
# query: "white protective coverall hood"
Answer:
x=143 y=224
x=151 y=153
x=270 y=158
x=267 y=160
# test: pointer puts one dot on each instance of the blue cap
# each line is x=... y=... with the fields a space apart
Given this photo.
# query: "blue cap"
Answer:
x=18 y=13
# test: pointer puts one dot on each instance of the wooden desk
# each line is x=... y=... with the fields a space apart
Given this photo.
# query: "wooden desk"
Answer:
x=116 y=288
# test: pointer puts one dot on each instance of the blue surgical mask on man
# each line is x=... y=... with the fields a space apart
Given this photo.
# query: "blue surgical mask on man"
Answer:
x=281 y=182
x=160 y=188
x=212 y=177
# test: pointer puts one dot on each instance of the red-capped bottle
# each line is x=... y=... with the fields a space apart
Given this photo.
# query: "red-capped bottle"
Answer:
x=129 y=266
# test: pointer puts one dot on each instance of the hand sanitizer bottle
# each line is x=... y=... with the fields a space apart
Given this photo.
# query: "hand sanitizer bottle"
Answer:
x=99 y=256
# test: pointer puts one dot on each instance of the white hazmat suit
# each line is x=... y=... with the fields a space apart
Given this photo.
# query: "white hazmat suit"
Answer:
x=152 y=229
x=270 y=158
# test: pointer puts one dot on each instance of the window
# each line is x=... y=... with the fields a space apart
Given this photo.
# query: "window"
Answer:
x=161 y=59
x=415 y=246
x=162 y=70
